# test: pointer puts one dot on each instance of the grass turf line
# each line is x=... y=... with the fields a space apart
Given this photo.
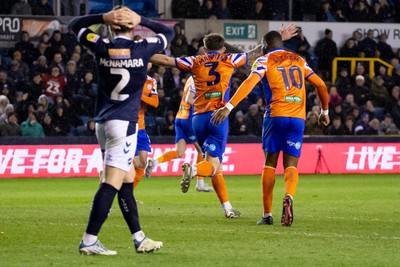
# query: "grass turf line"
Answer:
x=339 y=220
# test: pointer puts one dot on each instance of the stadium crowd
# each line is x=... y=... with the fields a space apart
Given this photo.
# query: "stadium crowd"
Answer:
x=49 y=89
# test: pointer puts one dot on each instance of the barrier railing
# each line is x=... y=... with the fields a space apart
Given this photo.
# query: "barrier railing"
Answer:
x=353 y=61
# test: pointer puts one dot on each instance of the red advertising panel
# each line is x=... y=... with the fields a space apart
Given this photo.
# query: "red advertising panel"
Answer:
x=86 y=160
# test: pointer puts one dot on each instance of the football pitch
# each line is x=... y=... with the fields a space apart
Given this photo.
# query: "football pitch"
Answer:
x=339 y=220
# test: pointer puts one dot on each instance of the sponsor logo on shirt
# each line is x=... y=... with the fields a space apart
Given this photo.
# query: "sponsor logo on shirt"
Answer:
x=213 y=95
x=295 y=99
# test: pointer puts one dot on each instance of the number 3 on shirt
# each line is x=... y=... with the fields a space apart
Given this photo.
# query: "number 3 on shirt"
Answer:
x=293 y=72
x=212 y=72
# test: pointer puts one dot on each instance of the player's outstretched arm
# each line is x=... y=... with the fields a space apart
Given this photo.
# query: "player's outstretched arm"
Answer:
x=254 y=53
x=162 y=60
x=323 y=96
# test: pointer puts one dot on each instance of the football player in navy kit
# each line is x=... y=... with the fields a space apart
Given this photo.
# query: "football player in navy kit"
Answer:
x=122 y=65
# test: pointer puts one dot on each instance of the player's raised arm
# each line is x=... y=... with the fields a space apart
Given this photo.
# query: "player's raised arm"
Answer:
x=244 y=89
x=322 y=93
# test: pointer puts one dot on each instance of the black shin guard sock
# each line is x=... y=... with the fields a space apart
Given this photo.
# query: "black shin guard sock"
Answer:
x=100 y=208
x=128 y=206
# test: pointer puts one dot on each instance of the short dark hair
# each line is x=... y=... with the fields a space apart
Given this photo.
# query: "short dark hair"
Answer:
x=214 y=41
x=273 y=39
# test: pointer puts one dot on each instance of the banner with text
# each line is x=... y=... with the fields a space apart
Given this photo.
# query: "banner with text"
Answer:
x=239 y=159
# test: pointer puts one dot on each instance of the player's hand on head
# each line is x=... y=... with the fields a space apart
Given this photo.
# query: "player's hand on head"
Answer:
x=128 y=18
x=219 y=115
x=288 y=32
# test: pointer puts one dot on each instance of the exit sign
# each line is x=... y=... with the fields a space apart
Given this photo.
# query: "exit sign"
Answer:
x=240 y=30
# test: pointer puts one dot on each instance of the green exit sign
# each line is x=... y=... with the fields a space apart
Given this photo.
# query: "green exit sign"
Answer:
x=240 y=30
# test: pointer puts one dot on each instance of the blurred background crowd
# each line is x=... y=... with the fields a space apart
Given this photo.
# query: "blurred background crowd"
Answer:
x=48 y=88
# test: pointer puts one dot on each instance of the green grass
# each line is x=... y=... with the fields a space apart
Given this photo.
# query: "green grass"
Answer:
x=340 y=220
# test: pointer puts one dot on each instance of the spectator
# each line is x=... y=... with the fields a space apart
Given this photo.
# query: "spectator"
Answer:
x=343 y=82
x=368 y=44
x=207 y=10
x=17 y=55
x=90 y=128
x=360 y=12
x=388 y=126
x=325 y=13
x=168 y=125
x=312 y=126
x=326 y=51
x=349 y=125
x=179 y=47
x=337 y=111
x=73 y=80
x=48 y=127
x=360 y=70
x=375 y=128
x=60 y=120
x=254 y=120
x=44 y=101
x=349 y=104
x=258 y=12
x=373 y=112
x=193 y=48
x=43 y=50
x=384 y=48
x=349 y=49
x=185 y=9
x=395 y=112
x=336 y=128
x=53 y=83
x=17 y=75
x=334 y=97
x=360 y=91
x=239 y=126
x=55 y=41
x=31 y=127
x=84 y=100
x=11 y=126
x=376 y=12
x=34 y=88
x=40 y=66
x=393 y=98
x=223 y=11
x=69 y=40
x=299 y=44
x=7 y=86
x=43 y=8
x=26 y=47
x=58 y=62
x=8 y=109
x=379 y=93
x=21 y=7
x=173 y=82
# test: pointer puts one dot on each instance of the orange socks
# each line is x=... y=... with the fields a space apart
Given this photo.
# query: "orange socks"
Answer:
x=291 y=177
x=168 y=156
x=138 y=176
x=205 y=168
x=267 y=187
x=219 y=185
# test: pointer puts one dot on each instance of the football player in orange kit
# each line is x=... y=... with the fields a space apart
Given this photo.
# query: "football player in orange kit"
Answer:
x=283 y=75
x=184 y=135
x=149 y=97
x=212 y=74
